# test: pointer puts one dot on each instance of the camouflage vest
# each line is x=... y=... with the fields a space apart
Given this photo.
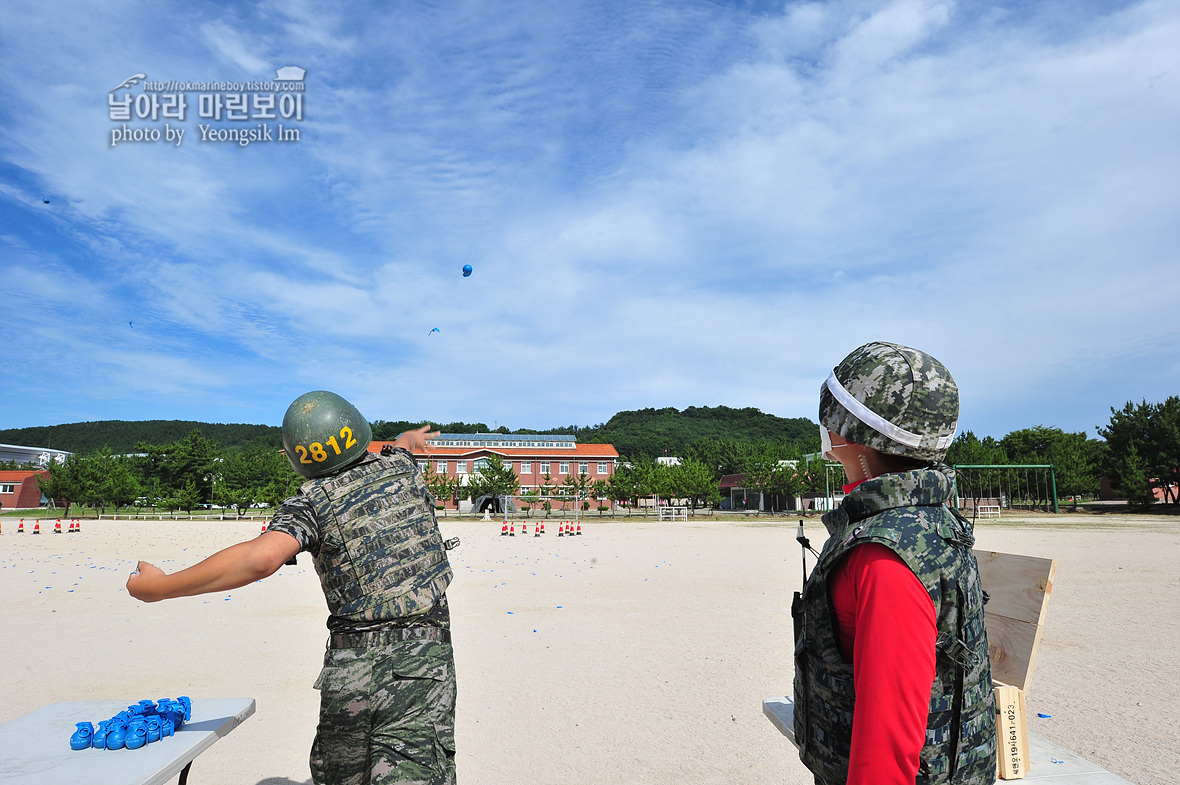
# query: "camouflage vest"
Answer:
x=906 y=513
x=382 y=555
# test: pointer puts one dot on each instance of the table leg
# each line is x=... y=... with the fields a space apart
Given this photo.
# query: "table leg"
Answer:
x=184 y=773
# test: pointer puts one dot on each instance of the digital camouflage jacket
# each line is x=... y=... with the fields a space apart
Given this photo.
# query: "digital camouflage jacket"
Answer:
x=905 y=512
x=374 y=540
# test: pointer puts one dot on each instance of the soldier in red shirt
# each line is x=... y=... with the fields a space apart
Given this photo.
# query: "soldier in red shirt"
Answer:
x=892 y=678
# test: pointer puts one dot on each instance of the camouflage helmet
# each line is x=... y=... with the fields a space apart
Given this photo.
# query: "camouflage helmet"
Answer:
x=323 y=433
x=895 y=399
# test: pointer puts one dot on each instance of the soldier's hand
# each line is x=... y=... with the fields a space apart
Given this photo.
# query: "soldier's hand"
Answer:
x=415 y=440
x=146 y=583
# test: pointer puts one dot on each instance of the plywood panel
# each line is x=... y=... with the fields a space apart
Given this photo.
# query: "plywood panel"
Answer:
x=1018 y=585
x=1013 y=649
x=1019 y=588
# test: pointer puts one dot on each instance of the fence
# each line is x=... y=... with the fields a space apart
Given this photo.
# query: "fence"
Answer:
x=989 y=488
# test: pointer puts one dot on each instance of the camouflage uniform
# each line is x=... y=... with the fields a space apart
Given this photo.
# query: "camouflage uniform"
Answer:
x=387 y=688
x=906 y=513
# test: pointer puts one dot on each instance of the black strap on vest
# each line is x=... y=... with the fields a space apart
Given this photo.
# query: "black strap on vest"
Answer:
x=797 y=599
x=805 y=543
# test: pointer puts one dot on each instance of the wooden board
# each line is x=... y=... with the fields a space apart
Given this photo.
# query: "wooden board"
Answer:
x=1019 y=588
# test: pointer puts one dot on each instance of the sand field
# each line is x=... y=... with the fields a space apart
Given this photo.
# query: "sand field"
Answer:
x=636 y=653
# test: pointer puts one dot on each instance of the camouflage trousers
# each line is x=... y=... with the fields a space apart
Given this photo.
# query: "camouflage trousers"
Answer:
x=387 y=715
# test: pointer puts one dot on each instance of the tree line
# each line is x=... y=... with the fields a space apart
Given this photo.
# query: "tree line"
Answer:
x=646 y=433
x=1142 y=450
x=124 y=436
x=186 y=474
x=1139 y=451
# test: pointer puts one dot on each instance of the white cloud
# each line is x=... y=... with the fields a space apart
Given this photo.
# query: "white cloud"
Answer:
x=665 y=204
x=238 y=48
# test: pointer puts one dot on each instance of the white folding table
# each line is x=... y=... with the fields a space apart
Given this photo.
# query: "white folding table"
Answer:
x=35 y=748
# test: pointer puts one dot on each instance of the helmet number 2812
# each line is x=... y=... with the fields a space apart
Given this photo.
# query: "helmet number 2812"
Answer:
x=317 y=452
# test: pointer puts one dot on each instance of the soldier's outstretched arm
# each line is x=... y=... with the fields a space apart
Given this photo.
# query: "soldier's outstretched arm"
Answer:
x=231 y=568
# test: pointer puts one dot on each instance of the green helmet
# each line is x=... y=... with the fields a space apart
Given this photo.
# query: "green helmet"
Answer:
x=323 y=433
x=895 y=399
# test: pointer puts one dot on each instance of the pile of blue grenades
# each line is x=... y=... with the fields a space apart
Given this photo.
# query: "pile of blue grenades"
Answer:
x=135 y=727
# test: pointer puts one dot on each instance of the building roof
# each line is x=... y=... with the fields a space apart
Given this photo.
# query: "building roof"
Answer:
x=586 y=451
x=732 y=481
x=19 y=475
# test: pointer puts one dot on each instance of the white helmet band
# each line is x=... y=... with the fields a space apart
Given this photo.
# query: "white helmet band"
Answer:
x=879 y=423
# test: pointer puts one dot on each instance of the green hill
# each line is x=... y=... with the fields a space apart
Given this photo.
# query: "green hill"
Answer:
x=646 y=432
x=121 y=436
x=656 y=432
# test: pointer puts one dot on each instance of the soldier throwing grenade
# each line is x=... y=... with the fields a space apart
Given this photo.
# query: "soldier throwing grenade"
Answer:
x=387 y=688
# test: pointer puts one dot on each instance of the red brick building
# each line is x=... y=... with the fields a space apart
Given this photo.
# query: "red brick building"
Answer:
x=19 y=489
x=531 y=457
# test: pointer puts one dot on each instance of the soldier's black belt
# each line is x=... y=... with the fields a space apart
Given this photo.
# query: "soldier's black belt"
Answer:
x=358 y=640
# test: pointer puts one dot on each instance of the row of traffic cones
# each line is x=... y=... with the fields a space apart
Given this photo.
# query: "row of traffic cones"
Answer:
x=566 y=528
x=75 y=526
x=509 y=529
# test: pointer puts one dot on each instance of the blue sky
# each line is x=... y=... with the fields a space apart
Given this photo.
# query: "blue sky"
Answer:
x=664 y=203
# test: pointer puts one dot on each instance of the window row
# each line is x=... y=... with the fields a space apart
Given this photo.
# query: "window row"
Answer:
x=522 y=467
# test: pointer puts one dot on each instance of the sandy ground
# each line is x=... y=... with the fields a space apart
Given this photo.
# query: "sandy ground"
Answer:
x=637 y=653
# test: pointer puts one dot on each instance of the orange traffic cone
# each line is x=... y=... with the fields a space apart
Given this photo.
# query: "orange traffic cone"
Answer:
x=264 y=528
x=57 y=527
x=504 y=529
x=512 y=530
x=579 y=529
x=70 y=529
x=20 y=529
x=77 y=525
x=537 y=529
x=524 y=528
x=37 y=527
x=561 y=529
x=542 y=527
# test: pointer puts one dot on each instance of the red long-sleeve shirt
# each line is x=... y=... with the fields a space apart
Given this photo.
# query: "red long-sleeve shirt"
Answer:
x=887 y=628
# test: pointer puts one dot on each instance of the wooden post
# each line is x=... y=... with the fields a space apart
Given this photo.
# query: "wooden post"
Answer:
x=1011 y=733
